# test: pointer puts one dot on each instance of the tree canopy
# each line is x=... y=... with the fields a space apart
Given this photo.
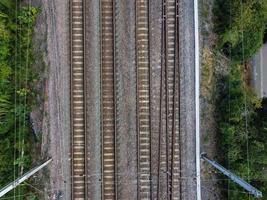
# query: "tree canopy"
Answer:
x=241 y=26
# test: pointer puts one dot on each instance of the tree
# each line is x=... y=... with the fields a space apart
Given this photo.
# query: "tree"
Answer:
x=242 y=127
x=240 y=25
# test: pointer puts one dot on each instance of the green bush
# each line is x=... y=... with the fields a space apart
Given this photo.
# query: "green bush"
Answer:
x=242 y=126
x=240 y=25
x=242 y=121
x=16 y=95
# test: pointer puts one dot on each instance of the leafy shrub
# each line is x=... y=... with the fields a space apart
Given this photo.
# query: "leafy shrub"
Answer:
x=242 y=126
x=16 y=95
x=240 y=26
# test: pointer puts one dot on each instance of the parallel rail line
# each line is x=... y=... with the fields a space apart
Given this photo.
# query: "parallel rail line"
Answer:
x=169 y=160
x=170 y=16
x=172 y=95
x=143 y=99
x=169 y=148
x=108 y=101
x=78 y=115
x=162 y=159
x=175 y=192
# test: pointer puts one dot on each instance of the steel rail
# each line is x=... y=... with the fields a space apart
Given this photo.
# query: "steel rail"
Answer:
x=150 y=96
x=175 y=166
x=85 y=103
x=169 y=158
x=162 y=157
x=78 y=99
x=169 y=67
x=137 y=107
x=101 y=100
x=71 y=99
x=170 y=56
x=143 y=99
x=108 y=100
x=115 y=100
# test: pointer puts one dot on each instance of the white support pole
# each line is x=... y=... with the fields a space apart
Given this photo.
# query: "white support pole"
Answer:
x=197 y=88
x=233 y=177
x=18 y=181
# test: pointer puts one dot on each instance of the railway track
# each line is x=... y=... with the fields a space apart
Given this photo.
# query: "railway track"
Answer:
x=108 y=101
x=170 y=17
x=172 y=98
x=143 y=100
x=170 y=156
x=169 y=164
x=175 y=193
x=78 y=119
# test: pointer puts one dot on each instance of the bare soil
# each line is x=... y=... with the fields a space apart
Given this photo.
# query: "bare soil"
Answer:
x=187 y=99
x=57 y=105
x=51 y=120
x=156 y=60
x=126 y=99
x=92 y=49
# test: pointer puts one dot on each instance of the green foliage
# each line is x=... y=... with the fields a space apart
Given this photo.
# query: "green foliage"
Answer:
x=5 y=106
x=240 y=26
x=242 y=126
x=28 y=16
x=16 y=95
x=242 y=121
x=6 y=4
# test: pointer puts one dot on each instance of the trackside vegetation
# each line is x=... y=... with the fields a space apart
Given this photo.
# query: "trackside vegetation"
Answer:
x=242 y=127
x=242 y=116
x=241 y=25
x=16 y=93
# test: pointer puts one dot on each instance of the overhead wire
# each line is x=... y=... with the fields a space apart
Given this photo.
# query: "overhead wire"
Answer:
x=245 y=96
x=15 y=94
x=20 y=111
x=229 y=101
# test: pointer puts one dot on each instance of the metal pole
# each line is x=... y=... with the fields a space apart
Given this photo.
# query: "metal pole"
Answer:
x=233 y=177
x=197 y=93
x=19 y=180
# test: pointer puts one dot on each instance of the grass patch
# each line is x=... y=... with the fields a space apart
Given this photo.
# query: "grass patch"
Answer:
x=207 y=72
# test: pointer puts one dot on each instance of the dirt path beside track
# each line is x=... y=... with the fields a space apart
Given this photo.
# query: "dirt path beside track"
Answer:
x=187 y=95
x=51 y=41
